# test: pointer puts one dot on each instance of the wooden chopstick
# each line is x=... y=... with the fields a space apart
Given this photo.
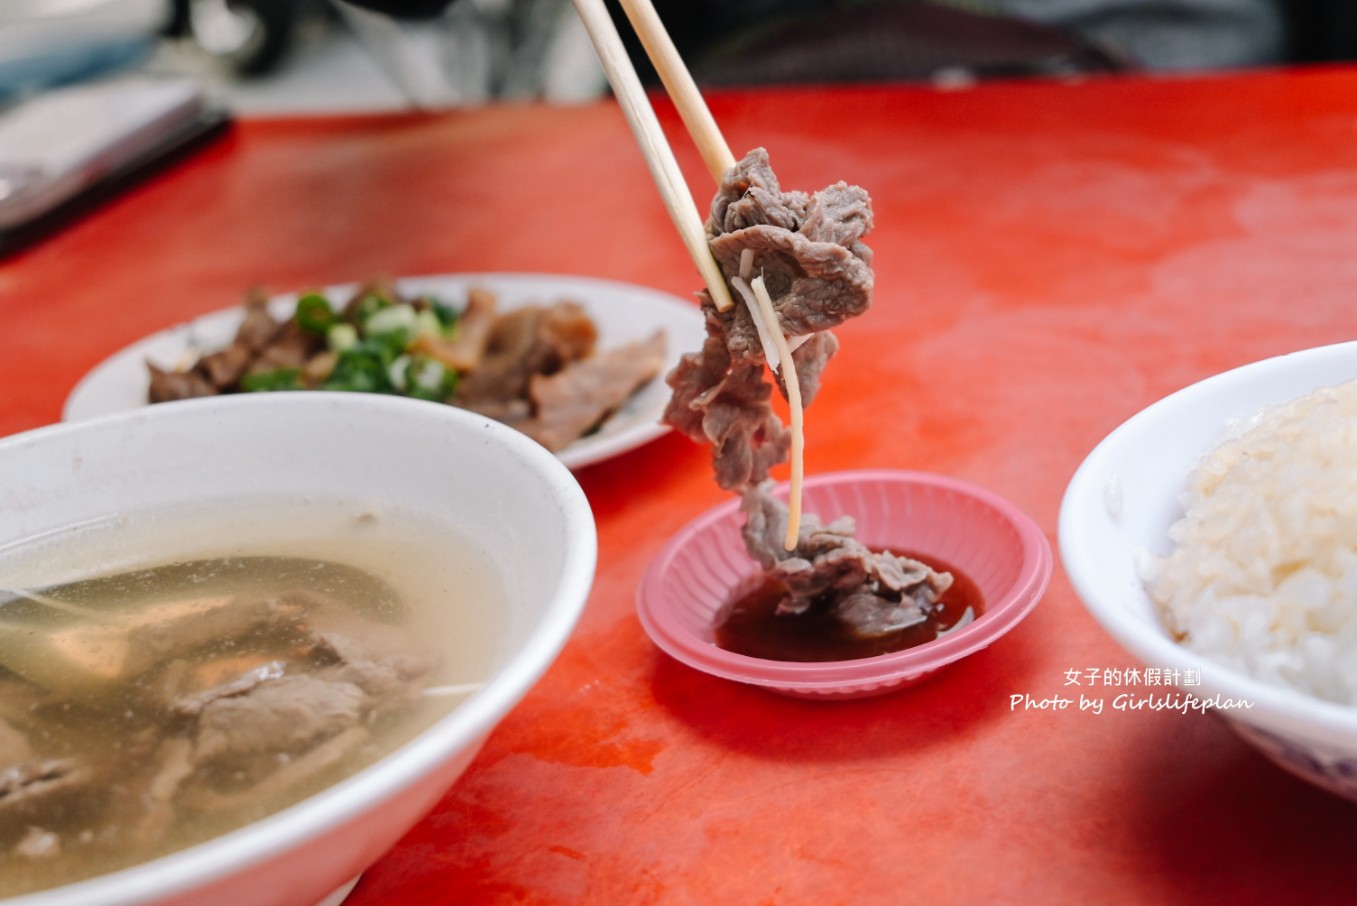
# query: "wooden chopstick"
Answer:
x=678 y=82
x=715 y=153
x=655 y=148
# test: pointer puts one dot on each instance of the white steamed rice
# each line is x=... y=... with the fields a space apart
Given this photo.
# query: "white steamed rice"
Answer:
x=1264 y=575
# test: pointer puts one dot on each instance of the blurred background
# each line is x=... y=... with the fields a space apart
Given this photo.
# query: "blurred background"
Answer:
x=288 y=56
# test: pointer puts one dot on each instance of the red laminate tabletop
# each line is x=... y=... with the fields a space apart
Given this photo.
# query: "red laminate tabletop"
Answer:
x=1050 y=257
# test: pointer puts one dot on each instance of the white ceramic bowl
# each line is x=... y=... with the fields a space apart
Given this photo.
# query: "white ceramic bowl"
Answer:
x=1120 y=504
x=476 y=477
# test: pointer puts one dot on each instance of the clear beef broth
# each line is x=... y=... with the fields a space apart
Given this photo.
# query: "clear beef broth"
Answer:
x=155 y=708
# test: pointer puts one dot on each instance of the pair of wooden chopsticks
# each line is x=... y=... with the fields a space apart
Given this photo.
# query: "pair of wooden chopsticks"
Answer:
x=697 y=118
x=677 y=199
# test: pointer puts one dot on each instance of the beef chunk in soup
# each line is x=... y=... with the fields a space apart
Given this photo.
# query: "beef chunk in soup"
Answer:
x=34 y=789
x=290 y=774
x=376 y=658
x=190 y=702
x=282 y=716
x=14 y=746
x=386 y=677
x=136 y=719
x=116 y=647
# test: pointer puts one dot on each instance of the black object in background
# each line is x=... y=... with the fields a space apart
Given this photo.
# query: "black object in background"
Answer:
x=1321 y=31
x=404 y=9
x=770 y=42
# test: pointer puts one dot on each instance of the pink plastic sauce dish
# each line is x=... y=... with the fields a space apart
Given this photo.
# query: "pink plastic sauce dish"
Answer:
x=932 y=516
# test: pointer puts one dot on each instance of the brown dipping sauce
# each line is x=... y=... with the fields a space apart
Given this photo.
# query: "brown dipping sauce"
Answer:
x=751 y=625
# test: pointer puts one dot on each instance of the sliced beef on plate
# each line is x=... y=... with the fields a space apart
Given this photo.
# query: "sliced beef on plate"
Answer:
x=257 y=330
x=224 y=368
x=168 y=386
x=291 y=347
x=524 y=342
x=464 y=350
x=574 y=400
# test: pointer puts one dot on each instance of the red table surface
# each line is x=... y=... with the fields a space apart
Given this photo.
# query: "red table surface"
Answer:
x=1050 y=258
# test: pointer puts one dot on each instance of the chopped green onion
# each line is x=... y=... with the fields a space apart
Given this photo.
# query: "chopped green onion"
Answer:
x=446 y=314
x=429 y=379
x=427 y=324
x=360 y=369
x=314 y=313
x=394 y=326
x=368 y=305
x=277 y=379
x=395 y=373
x=341 y=336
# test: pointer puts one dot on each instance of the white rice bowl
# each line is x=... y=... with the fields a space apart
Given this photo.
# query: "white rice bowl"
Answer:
x=1263 y=578
x=1274 y=671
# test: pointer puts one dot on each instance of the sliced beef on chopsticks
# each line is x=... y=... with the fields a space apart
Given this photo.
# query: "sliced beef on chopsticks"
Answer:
x=727 y=405
x=805 y=252
x=807 y=247
x=800 y=268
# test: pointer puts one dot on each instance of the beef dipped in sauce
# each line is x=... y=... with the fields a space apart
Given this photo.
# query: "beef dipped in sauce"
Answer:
x=807 y=251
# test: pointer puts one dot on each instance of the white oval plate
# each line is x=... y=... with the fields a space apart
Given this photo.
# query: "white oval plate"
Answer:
x=622 y=311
